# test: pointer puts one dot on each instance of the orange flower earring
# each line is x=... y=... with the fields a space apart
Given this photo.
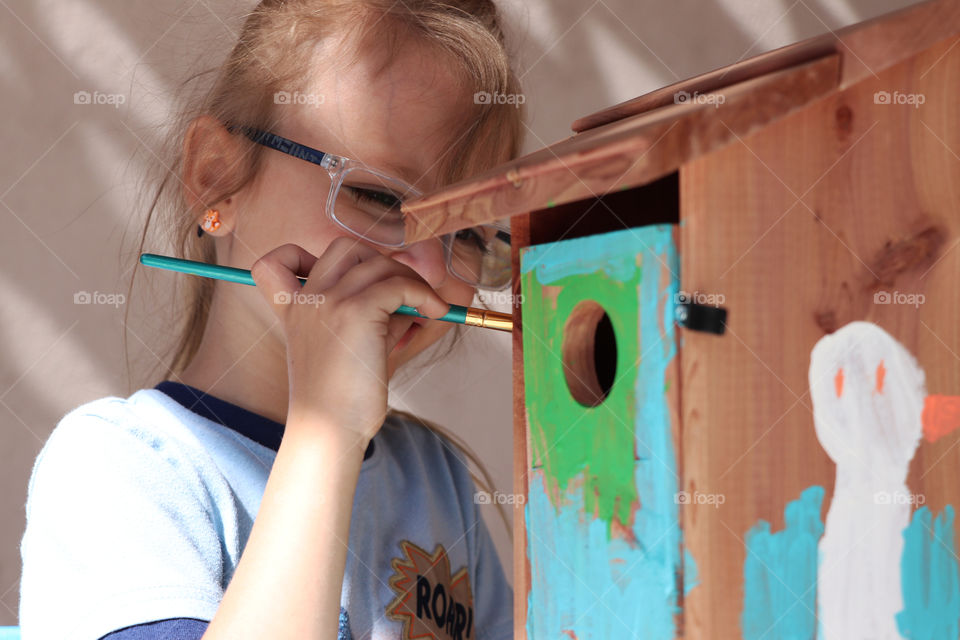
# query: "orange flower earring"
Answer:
x=211 y=222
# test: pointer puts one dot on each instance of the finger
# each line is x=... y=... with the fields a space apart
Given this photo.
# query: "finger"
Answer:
x=341 y=255
x=387 y=295
x=275 y=273
x=368 y=272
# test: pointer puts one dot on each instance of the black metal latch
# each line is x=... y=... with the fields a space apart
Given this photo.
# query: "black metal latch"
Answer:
x=700 y=317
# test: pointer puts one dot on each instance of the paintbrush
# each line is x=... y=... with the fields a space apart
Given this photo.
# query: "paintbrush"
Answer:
x=459 y=314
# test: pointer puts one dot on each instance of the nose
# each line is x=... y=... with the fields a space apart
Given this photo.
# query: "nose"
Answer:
x=426 y=258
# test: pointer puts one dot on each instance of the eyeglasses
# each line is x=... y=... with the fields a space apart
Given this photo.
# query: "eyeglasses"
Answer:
x=367 y=203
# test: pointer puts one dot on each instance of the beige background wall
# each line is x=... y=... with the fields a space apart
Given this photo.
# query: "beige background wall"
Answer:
x=68 y=176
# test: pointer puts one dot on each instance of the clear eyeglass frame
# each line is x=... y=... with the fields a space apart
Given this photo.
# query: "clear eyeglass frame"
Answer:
x=494 y=269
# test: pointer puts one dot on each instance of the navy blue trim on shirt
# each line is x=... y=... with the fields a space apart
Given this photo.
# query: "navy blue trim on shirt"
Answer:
x=258 y=428
x=170 y=629
x=193 y=629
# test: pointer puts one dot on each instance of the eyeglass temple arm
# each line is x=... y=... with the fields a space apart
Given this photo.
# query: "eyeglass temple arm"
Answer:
x=281 y=144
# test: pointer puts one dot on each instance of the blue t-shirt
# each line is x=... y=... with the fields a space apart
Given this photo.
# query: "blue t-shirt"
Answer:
x=138 y=510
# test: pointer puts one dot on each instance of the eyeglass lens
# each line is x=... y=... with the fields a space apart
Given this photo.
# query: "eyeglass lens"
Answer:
x=481 y=256
x=368 y=204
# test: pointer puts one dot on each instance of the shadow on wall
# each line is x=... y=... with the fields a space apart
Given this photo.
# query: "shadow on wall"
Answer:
x=614 y=50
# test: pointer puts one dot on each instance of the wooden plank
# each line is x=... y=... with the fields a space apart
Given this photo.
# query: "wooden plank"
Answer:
x=603 y=532
x=622 y=155
x=798 y=228
x=520 y=237
x=866 y=48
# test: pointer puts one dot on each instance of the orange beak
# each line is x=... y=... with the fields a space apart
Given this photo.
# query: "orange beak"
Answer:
x=941 y=415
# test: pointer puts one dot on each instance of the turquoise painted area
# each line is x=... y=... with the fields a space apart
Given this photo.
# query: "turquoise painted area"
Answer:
x=657 y=481
x=928 y=573
x=780 y=573
x=587 y=579
x=612 y=253
x=583 y=583
x=690 y=578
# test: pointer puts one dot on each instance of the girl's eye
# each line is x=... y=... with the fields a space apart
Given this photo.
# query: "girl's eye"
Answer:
x=474 y=237
x=381 y=199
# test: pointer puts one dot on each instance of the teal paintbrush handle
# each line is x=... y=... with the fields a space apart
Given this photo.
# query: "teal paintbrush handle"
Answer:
x=457 y=313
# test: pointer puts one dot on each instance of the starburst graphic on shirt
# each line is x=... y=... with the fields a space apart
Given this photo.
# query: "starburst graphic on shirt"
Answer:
x=431 y=603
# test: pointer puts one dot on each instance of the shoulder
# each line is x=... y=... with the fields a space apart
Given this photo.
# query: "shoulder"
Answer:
x=111 y=439
x=140 y=422
x=125 y=522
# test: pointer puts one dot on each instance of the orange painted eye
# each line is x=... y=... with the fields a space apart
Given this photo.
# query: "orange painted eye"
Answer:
x=838 y=382
x=881 y=372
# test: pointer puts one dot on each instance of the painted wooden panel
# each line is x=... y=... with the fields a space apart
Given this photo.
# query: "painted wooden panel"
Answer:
x=832 y=237
x=602 y=521
x=816 y=459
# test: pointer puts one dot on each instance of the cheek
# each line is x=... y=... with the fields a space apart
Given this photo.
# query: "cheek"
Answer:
x=285 y=207
x=262 y=236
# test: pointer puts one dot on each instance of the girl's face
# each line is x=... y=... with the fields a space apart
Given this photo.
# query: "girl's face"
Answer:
x=398 y=122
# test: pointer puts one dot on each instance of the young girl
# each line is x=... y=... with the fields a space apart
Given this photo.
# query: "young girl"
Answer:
x=264 y=490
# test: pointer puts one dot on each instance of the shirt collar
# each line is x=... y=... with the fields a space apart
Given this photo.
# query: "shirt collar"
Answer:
x=258 y=428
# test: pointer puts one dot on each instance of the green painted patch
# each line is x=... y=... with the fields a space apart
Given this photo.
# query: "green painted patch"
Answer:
x=592 y=445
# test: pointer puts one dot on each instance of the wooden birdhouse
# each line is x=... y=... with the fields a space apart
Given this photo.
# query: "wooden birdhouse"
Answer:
x=735 y=349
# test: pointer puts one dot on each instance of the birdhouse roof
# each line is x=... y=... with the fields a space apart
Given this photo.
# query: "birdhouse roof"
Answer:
x=648 y=137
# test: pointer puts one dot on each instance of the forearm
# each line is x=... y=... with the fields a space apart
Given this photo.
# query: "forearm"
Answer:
x=290 y=575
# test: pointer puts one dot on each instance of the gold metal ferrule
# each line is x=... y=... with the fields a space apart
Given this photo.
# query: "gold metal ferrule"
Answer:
x=489 y=319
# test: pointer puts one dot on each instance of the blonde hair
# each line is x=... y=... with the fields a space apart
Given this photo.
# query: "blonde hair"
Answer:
x=273 y=53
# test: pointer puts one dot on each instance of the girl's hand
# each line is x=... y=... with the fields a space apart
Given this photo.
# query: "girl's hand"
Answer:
x=340 y=327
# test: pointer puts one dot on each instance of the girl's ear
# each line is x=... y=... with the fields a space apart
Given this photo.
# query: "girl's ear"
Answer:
x=212 y=165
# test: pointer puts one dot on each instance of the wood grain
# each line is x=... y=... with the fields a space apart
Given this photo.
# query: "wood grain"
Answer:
x=520 y=232
x=798 y=227
x=621 y=155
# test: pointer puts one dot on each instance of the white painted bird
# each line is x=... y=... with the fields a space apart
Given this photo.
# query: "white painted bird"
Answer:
x=868 y=396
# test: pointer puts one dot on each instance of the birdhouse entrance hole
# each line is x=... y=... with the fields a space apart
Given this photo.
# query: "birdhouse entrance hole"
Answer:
x=589 y=353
